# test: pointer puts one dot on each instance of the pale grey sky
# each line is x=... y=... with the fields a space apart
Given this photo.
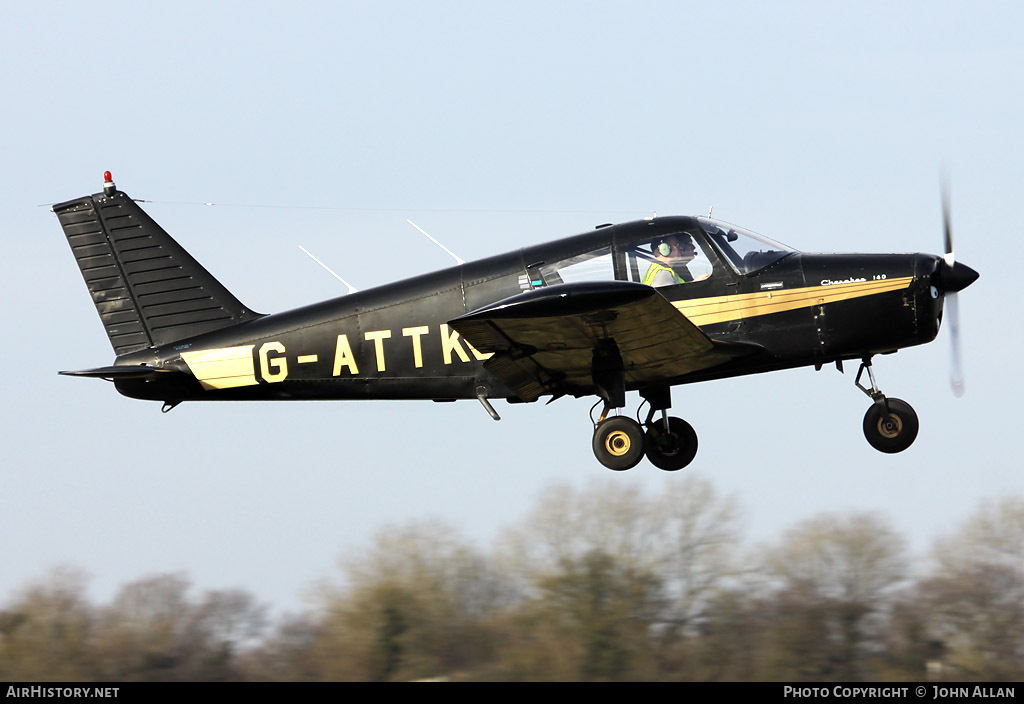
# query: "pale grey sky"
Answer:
x=492 y=125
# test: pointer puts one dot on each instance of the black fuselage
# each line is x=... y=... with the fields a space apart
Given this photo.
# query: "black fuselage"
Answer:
x=396 y=341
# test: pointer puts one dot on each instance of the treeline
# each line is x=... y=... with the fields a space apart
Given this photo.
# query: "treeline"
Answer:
x=598 y=584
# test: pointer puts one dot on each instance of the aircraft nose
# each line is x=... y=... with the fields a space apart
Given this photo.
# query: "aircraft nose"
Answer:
x=951 y=279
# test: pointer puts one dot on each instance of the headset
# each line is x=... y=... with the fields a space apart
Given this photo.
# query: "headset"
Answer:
x=663 y=248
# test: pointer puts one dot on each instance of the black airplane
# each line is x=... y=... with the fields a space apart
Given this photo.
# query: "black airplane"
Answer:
x=643 y=306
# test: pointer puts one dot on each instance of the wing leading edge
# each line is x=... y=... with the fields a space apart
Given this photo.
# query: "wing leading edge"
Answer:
x=554 y=339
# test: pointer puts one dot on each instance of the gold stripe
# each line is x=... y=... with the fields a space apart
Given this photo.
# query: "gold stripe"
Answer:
x=304 y=358
x=722 y=309
x=222 y=368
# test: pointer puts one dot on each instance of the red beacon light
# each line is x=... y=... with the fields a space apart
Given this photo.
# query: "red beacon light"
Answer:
x=108 y=184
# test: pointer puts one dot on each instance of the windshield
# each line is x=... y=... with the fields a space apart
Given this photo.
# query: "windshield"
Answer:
x=744 y=250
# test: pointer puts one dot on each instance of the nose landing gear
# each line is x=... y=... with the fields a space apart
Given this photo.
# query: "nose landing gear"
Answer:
x=669 y=443
x=890 y=424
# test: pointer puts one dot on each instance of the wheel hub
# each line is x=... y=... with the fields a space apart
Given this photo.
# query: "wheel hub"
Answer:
x=617 y=443
x=890 y=426
x=668 y=443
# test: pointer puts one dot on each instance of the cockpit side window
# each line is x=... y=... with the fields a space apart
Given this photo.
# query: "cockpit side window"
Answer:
x=595 y=265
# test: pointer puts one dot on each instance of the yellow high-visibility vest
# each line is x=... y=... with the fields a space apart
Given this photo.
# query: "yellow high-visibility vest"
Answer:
x=653 y=271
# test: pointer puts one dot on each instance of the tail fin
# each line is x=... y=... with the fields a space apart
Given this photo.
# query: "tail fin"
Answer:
x=147 y=289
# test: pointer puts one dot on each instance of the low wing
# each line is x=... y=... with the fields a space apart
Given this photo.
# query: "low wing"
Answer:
x=554 y=339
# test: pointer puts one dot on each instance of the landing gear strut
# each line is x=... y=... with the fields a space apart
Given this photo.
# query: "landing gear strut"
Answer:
x=620 y=443
x=890 y=425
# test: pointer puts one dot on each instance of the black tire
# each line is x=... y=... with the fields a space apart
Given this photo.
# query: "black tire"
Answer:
x=891 y=432
x=619 y=443
x=672 y=450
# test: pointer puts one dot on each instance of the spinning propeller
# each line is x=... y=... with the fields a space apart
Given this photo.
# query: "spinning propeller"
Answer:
x=949 y=278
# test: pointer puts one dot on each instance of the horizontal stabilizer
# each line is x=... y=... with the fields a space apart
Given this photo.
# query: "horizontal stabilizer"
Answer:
x=115 y=373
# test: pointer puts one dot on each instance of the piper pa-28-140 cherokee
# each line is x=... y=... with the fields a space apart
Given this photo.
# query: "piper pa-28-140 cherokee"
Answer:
x=643 y=306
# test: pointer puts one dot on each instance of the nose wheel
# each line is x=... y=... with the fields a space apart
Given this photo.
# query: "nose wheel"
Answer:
x=890 y=425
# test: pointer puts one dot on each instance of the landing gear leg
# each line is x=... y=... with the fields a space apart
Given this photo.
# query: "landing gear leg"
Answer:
x=890 y=424
x=618 y=441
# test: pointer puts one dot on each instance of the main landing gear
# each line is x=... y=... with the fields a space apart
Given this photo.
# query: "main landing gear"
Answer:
x=620 y=442
x=890 y=425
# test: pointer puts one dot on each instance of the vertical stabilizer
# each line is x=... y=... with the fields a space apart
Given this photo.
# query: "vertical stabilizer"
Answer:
x=147 y=289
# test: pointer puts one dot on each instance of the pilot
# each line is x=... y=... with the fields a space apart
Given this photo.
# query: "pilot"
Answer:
x=673 y=253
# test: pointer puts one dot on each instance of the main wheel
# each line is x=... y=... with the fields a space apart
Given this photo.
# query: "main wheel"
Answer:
x=673 y=449
x=891 y=432
x=619 y=443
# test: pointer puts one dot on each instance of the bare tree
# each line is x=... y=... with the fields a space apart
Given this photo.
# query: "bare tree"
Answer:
x=413 y=605
x=832 y=580
x=579 y=554
x=154 y=631
x=973 y=599
x=46 y=631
